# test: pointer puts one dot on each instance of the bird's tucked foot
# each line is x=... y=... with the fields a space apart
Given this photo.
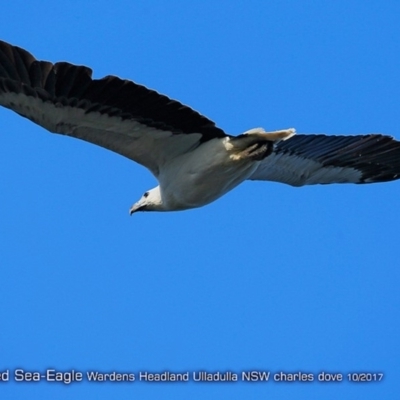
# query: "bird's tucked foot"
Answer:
x=256 y=144
x=273 y=136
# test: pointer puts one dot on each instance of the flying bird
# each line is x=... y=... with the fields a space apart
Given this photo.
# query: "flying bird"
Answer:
x=194 y=161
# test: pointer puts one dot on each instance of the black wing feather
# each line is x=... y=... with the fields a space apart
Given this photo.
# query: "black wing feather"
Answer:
x=311 y=159
x=64 y=82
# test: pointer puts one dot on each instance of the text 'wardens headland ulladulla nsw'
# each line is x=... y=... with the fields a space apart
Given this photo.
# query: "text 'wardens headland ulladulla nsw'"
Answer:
x=68 y=377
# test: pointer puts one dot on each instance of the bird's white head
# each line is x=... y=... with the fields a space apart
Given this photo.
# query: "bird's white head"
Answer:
x=150 y=201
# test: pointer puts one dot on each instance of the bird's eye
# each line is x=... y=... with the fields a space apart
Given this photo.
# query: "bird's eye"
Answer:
x=146 y=194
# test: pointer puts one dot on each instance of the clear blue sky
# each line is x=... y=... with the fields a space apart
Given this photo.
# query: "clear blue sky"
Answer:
x=269 y=277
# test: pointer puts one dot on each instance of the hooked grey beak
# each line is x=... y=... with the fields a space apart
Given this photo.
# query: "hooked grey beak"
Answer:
x=136 y=207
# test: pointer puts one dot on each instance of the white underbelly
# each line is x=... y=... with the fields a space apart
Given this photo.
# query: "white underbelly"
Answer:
x=203 y=176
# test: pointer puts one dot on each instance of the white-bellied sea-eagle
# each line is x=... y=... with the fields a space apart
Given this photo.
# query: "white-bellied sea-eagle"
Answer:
x=194 y=161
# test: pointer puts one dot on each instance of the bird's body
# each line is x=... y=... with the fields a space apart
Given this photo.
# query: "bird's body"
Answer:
x=204 y=181
x=194 y=161
x=212 y=169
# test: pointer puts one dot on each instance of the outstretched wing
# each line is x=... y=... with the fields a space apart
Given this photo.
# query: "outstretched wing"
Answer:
x=117 y=114
x=310 y=159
